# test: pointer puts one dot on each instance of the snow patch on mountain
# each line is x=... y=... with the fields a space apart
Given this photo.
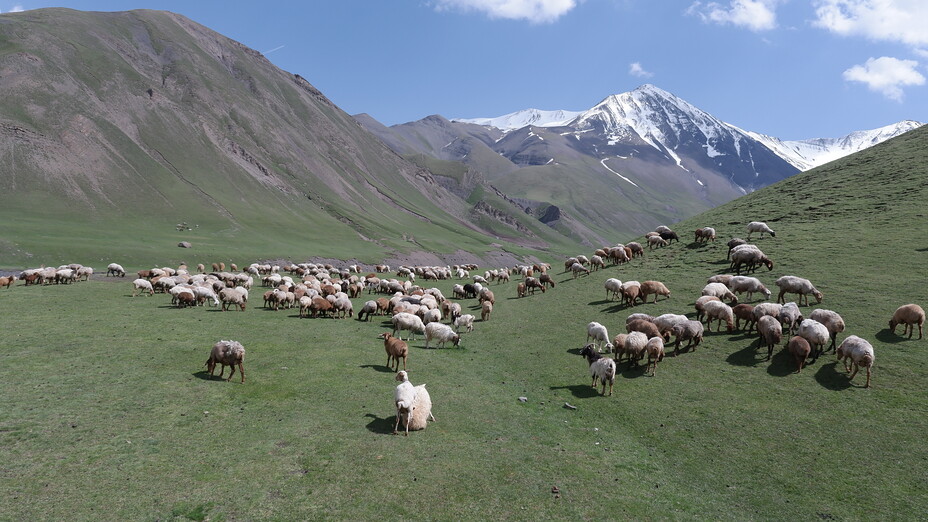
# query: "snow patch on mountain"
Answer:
x=519 y=119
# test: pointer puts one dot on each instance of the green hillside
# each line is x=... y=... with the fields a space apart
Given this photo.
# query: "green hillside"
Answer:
x=108 y=413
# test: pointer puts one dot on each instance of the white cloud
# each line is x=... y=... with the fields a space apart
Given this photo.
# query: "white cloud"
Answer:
x=635 y=69
x=904 y=21
x=535 y=11
x=756 y=15
x=886 y=75
x=16 y=9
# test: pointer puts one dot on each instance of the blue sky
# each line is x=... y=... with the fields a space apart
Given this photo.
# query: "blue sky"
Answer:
x=793 y=69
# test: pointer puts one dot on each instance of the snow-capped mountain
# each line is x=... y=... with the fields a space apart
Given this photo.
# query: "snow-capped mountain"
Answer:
x=519 y=119
x=807 y=154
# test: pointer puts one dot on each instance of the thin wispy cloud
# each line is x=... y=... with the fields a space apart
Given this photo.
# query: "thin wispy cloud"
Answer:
x=635 y=69
x=886 y=75
x=534 y=11
x=903 y=21
x=754 y=15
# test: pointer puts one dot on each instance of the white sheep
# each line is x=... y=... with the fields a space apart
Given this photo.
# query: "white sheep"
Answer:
x=790 y=315
x=666 y=322
x=613 y=288
x=832 y=320
x=856 y=352
x=577 y=269
x=741 y=284
x=817 y=335
x=407 y=321
x=759 y=226
x=765 y=308
x=442 y=333
x=771 y=333
x=601 y=368
x=404 y=396
x=635 y=344
x=655 y=350
x=421 y=410
x=465 y=321
x=721 y=291
x=599 y=335
x=721 y=312
x=690 y=331
x=116 y=270
x=908 y=315
x=369 y=308
x=142 y=285
x=227 y=353
x=797 y=285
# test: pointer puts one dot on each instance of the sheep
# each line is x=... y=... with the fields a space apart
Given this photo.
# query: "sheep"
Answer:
x=701 y=303
x=743 y=312
x=442 y=333
x=601 y=368
x=655 y=350
x=613 y=288
x=520 y=290
x=797 y=285
x=817 y=335
x=465 y=321
x=665 y=323
x=771 y=333
x=689 y=331
x=646 y=327
x=632 y=317
x=765 y=308
x=532 y=283
x=186 y=298
x=719 y=311
x=485 y=310
x=790 y=315
x=739 y=284
x=404 y=396
x=116 y=270
x=800 y=349
x=631 y=292
x=653 y=287
x=705 y=234
x=396 y=348
x=369 y=308
x=570 y=262
x=721 y=291
x=407 y=321
x=670 y=236
x=832 y=320
x=618 y=345
x=907 y=315
x=142 y=285
x=84 y=272
x=635 y=344
x=599 y=335
x=7 y=281
x=577 y=268
x=227 y=353
x=636 y=249
x=760 y=226
x=421 y=409
x=431 y=316
x=732 y=243
x=750 y=256
x=856 y=352
x=661 y=229
x=720 y=278
x=232 y=296
x=656 y=241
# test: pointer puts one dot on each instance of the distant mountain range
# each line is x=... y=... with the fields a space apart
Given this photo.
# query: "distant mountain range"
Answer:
x=632 y=161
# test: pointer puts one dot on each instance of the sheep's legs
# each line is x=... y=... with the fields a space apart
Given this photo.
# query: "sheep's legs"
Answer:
x=241 y=370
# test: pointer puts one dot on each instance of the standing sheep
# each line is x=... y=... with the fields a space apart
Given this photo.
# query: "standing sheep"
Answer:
x=791 y=316
x=655 y=350
x=721 y=312
x=797 y=285
x=800 y=350
x=404 y=396
x=601 y=368
x=740 y=284
x=653 y=287
x=760 y=226
x=635 y=344
x=771 y=333
x=832 y=320
x=227 y=353
x=856 y=352
x=485 y=310
x=142 y=285
x=817 y=335
x=442 y=333
x=907 y=315
x=395 y=348
x=407 y=321
x=690 y=331
x=599 y=335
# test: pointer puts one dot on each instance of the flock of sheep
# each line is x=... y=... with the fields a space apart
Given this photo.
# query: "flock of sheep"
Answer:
x=647 y=335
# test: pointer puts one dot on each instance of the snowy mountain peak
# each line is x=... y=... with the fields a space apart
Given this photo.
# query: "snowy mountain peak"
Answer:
x=519 y=119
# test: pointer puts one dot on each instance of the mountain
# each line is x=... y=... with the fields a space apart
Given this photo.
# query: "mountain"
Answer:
x=119 y=126
x=632 y=161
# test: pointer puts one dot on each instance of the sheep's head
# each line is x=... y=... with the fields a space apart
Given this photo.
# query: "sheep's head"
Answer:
x=818 y=296
x=402 y=376
x=456 y=339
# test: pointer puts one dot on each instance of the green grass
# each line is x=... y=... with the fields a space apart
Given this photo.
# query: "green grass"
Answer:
x=108 y=415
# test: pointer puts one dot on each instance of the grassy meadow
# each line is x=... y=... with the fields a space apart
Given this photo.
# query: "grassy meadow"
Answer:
x=108 y=413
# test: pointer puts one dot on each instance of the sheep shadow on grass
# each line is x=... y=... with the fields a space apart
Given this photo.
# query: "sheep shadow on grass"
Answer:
x=887 y=336
x=782 y=363
x=833 y=377
x=379 y=367
x=383 y=426
x=204 y=375
x=580 y=391
x=748 y=356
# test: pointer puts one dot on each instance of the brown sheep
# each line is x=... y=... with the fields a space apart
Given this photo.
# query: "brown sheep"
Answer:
x=227 y=353
x=646 y=327
x=520 y=290
x=744 y=312
x=653 y=287
x=395 y=348
x=771 y=332
x=485 y=310
x=800 y=349
x=545 y=279
x=908 y=315
x=630 y=294
x=6 y=281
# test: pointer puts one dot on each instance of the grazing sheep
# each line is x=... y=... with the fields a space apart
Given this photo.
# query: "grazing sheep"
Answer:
x=142 y=285
x=750 y=256
x=759 y=226
x=613 y=288
x=485 y=310
x=701 y=305
x=404 y=396
x=858 y=353
x=655 y=350
x=520 y=290
x=577 y=268
x=84 y=272
x=408 y=321
x=907 y=315
x=227 y=353
x=689 y=331
x=636 y=249
x=721 y=312
x=233 y=297
x=797 y=285
x=665 y=323
x=421 y=410
x=721 y=291
x=656 y=241
x=396 y=348
x=790 y=315
x=442 y=333
x=832 y=320
x=646 y=327
x=545 y=280
x=601 y=368
x=705 y=234
x=743 y=312
x=631 y=292
x=532 y=283
x=741 y=284
x=632 y=317
x=635 y=344
x=661 y=229
x=800 y=350
x=732 y=243
x=653 y=287
x=618 y=345
x=817 y=335
x=599 y=335
x=771 y=333
x=720 y=278
x=369 y=308
x=765 y=308
x=596 y=262
x=465 y=321
x=115 y=270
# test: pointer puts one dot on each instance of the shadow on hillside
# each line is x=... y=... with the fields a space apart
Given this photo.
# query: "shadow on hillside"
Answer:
x=600 y=302
x=383 y=426
x=379 y=367
x=580 y=391
x=888 y=337
x=782 y=363
x=749 y=356
x=833 y=377
x=627 y=371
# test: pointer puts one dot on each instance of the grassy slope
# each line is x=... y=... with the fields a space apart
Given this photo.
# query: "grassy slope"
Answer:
x=105 y=411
